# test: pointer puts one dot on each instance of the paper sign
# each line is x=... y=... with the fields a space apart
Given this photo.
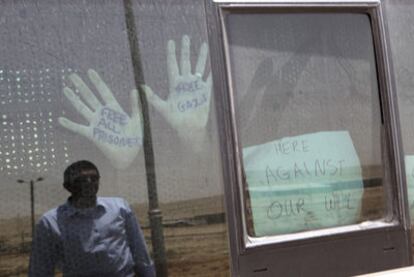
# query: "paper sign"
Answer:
x=409 y=172
x=303 y=183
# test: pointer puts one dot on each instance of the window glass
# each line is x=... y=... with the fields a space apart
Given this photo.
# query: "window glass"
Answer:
x=72 y=79
x=401 y=32
x=309 y=120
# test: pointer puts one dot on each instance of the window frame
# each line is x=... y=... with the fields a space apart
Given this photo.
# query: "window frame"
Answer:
x=396 y=190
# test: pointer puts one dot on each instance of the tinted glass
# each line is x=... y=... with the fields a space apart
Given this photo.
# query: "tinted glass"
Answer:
x=309 y=120
x=401 y=32
x=68 y=78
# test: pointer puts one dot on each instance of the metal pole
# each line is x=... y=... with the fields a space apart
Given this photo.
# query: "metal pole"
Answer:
x=32 y=205
x=154 y=213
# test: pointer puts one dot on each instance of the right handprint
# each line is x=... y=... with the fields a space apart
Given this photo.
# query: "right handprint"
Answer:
x=188 y=104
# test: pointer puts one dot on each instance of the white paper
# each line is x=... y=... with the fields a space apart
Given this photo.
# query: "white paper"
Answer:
x=305 y=182
x=409 y=172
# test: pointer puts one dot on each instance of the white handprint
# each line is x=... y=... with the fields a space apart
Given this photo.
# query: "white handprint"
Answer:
x=116 y=134
x=188 y=104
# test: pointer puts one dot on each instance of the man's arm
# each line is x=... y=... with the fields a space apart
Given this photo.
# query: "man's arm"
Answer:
x=43 y=256
x=143 y=264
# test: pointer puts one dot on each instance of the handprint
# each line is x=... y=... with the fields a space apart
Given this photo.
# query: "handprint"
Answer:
x=116 y=134
x=188 y=104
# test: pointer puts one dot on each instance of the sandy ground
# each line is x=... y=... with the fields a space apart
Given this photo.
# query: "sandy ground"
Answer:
x=191 y=251
x=198 y=250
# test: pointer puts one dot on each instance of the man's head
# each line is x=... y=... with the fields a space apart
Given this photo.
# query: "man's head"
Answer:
x=81 y=179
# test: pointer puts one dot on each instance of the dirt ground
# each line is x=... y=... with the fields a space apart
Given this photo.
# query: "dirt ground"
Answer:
x=191 y=251
x=197 y=249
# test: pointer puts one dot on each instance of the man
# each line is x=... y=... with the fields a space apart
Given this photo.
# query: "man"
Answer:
x=89 y=235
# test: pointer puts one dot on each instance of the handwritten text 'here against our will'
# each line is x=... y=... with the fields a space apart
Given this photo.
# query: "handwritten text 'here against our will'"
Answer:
x=301 y=183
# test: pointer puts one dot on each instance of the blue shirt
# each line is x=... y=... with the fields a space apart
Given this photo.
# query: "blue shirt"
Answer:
x=105 y=240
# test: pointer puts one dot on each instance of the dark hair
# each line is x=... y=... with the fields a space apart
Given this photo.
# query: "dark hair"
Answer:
x=74 y=169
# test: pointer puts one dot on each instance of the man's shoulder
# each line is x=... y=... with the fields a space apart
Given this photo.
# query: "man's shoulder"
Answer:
x=50 y=217
x=53 y=214
x=113 y=203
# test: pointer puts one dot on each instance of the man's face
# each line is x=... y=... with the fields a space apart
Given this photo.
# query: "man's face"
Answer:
x=85 y=185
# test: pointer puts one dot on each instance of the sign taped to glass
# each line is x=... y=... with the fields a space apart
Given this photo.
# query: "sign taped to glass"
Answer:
x=306 y=182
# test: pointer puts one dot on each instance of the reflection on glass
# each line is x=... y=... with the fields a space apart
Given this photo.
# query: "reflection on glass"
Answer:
x=399 y=17
x=89 y=235
x=309 y=119
x=65 y=63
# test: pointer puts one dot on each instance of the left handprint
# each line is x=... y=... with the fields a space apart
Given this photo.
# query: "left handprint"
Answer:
x=114 y=132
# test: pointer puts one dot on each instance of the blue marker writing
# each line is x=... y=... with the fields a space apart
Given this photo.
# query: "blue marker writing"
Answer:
x=183 y=106
x=187 y=86
x=103 y=136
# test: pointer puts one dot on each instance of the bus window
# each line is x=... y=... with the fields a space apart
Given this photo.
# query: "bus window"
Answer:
x=309 y=136
x=109 y=156
x=309 y=120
